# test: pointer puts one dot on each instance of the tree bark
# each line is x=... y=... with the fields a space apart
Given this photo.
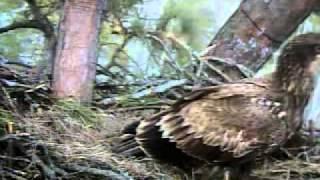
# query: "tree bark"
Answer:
x=255 y=31
x=76 y=54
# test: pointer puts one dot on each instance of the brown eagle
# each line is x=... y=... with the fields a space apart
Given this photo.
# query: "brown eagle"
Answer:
x=231 y=124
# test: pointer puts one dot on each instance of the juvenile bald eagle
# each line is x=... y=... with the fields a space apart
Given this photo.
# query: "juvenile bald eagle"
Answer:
x=233 y=123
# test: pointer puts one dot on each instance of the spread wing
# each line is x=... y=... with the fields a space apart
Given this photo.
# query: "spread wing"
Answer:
x=219 y=123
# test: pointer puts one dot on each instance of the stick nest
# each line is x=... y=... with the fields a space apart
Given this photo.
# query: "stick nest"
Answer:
x=41 y=138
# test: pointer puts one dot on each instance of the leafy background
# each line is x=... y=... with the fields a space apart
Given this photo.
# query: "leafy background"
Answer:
x=126 y=35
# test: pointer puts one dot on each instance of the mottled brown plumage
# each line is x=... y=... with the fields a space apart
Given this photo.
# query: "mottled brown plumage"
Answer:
x=233 y=123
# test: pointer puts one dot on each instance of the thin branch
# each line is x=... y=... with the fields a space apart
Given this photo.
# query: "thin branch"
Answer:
x=18 y=25
x=106 y=173
x=39 y=21
x=169 y=59
x=44 y=23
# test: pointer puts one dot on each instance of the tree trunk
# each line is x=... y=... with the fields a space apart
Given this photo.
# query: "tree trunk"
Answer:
x=75 y=61
x=255 y=31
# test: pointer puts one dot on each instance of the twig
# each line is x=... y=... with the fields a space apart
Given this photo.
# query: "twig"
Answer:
x=106 y=173
x=48 y=172
x=11 y=175
x=15 y=159
x=135 y=108
x=219 y=72
x=169 y=59
x=242 y=69
x=11 y=104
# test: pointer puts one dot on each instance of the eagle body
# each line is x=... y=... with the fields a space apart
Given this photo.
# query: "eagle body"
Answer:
x=233 y=123
x=218 y=124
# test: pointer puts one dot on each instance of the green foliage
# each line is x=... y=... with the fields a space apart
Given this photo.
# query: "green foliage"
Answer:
x=10 y=5
x=312 y=24
x=83 y=114
x=126 y=101
x=11 y=11
x=51 y=9
x=121 y=7
x=187 y=19
x=23 y=44
x=138 y=26
x=183 y=21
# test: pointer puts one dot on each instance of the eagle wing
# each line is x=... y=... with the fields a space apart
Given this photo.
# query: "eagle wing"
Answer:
x=218 y=124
